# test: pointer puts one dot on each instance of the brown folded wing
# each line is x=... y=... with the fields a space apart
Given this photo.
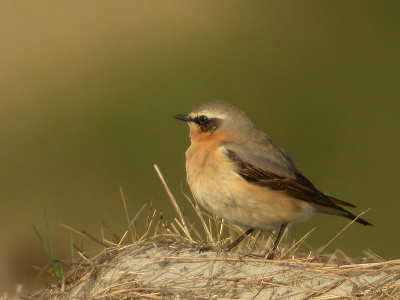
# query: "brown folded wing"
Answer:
x=298 y=186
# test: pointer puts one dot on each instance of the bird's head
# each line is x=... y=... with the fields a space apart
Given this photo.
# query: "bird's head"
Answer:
x=217 y=120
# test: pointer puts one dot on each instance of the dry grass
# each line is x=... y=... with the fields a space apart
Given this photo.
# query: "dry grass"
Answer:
x=164 y=263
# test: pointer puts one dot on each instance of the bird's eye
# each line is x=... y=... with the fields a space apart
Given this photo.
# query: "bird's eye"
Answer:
x=202 y=119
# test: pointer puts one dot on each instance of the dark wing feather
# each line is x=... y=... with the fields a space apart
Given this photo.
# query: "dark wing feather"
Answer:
x=299 y=186
x=300 y=177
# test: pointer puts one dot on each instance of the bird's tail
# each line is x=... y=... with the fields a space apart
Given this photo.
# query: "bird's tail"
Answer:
x=349 y=215
x=340 y=211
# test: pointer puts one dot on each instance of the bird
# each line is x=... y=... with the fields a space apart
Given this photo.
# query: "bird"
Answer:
x=238 y=173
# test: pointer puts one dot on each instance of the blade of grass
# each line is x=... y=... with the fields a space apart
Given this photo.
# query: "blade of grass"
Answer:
x=323 y=248
x=51 y=255
x=150 y=222
x=127 y=214
x=173 y=200
x=149 y=215
x=159 y=222
x=86 y=234
x=130 y=225
x=49 y=237
x=71 y=244
x=298 y=244
x=198 y=211
x=115 y=237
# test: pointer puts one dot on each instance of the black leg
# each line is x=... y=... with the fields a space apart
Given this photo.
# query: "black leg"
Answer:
x=239 y=239
x=278 y=239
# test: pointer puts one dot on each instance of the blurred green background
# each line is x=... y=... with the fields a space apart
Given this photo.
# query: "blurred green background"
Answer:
x=87 y=90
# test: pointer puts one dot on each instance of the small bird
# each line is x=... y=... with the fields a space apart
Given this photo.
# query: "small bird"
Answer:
x=241 y=175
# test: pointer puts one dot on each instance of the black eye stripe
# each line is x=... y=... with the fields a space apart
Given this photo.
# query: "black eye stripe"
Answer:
x=202 y=119
x=207 y=124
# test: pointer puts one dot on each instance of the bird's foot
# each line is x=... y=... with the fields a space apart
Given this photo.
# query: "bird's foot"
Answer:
x=271 y=255
x=205 y=249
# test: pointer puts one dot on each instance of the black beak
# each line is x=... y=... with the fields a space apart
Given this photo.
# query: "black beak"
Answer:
x=185 y=118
